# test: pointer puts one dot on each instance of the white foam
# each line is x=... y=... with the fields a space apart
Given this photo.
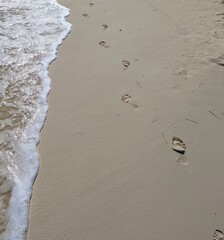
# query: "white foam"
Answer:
x=27 y=163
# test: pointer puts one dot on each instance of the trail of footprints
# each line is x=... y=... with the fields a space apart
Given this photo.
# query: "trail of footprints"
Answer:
x=125 y=98
x=177 y=144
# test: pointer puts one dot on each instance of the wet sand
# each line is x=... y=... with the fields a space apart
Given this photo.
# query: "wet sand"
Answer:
x=130 y=76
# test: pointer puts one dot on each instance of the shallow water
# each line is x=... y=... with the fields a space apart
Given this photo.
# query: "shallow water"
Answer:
x=30 y=32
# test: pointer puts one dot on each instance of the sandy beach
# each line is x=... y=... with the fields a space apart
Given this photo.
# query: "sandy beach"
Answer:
x=130 y=76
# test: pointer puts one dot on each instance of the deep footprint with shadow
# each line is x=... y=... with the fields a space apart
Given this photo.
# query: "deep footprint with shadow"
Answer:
x=218 y=235
x=178 y=145
x=126 y=64
x=103 y=44
x=91 y=4
x=128 y=99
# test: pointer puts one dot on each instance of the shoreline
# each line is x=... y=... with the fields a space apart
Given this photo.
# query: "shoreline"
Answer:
x=106 y=170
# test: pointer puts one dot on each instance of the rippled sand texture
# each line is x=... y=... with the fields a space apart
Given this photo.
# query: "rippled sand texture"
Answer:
x=30 y=32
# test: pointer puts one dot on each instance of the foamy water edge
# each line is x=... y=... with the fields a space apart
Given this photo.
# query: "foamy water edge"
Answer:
x=26 y=148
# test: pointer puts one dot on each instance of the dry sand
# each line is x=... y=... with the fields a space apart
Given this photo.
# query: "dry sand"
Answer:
x=108 y=171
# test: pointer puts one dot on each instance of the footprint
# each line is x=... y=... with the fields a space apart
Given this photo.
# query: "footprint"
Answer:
x=126 y=64
x=219 y=61
x=103 y=44
x=105 y=26
x=85 y=15
x=178 y=145
x=128 y=99
x=218 y=235
x=91 y=4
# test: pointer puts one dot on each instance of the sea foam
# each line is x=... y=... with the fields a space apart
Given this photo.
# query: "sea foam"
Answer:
x=30 y=33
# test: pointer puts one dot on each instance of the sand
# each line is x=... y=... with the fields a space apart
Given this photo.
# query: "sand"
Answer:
x=107 y=168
